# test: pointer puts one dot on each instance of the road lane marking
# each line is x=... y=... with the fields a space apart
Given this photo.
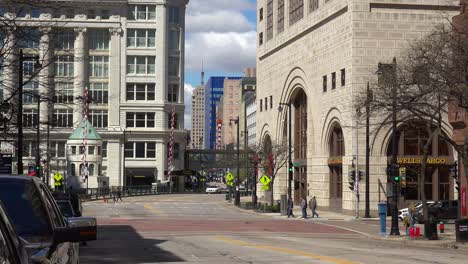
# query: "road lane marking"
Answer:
x=285 y=250
x=152 y=209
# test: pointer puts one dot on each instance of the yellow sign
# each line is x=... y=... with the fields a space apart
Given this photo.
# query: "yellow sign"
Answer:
x=418 y=161
x=230 y=183
x=58 y=176
x=266 y=187
x=265 y=180
x=229 y=177
x=402 y=170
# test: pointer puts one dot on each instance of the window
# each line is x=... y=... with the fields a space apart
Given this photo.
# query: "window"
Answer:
x=142 y=12
x=81 y=151
x=64 y=66
x=105 y=14
x=140 y=92
x=63 y=93
x=140 y=150
x=333 y=81
x=260 y=38
x=174 y=39
x=91 y=150
x=99 y=39
x=141 y=64
x=30 y=117
x=73 y=150
x=141 y=38
x=176 y=121
x=70 y=13
x=63 y=118
x=280 y=22
x=266 y=103
x=324 y=78
x=57 y=149
x=174 y=15
x=343 y=77
x=261 y=105
x=91 y=14
x=65 y=39
x=296 y=11
x=173 y=66
x=269 y=30
x=176 y=150
x=30 y=91
x=313 y=5
x=140 y=119
x=99 y=150
x=99 y=93
x=104 y=149
x=271 y=101
x=29 y=38
x=98 y=66
x=260 y=14
x=73 y=170
x=173 y=91
x=98 y=118
x=91 y=169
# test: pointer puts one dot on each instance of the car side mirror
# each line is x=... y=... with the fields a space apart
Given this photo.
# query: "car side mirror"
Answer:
x=80 y=229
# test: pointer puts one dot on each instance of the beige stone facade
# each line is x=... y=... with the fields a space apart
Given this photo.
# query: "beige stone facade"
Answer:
x=198 y=117
x=339 y=43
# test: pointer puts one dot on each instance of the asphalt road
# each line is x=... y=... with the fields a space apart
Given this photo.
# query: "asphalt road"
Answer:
x=194 y=228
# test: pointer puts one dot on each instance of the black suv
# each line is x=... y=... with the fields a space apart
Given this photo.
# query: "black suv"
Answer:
x=48 y=236
x=440 y=210
x=12 y=249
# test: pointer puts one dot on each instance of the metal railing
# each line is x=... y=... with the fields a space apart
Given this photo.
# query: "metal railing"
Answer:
x=123 y=191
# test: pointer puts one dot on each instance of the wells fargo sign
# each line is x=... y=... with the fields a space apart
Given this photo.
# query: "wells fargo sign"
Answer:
x=335 y=161
x=418 y=160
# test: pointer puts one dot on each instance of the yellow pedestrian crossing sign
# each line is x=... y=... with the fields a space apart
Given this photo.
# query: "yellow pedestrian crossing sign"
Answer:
x=229 y=177
x=265 y=180
x=58 y=177
x=265 y=187
x=230 y=183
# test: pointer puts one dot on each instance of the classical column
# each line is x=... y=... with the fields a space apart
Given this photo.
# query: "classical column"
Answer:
x=162 y=54
x=45 y=77
x=80 y=76
x=115 y=77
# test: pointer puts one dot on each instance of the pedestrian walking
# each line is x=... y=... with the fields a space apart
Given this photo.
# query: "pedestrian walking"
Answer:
x=114 y=198
x=304 y=208
x=119 y=195
x=313 y=206
x=290 y=207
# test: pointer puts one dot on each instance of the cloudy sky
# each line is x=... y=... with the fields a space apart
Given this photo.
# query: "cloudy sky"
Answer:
x=222 y=34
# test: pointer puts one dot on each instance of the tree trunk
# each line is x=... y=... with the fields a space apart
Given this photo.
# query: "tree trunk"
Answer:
x=271 y=191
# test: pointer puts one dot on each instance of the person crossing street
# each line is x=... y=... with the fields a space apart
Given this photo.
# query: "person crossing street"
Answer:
x=313 y=206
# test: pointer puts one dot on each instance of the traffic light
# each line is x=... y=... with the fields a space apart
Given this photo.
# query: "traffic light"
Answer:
x=38 y=170
x=393 y=173
x=454 y=173
x=403 y=177
x=290 y=171
x=361 y=173
x=352 y=179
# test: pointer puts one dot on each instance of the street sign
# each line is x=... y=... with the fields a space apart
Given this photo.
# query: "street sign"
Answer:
x=230 y=183
x=297 y=165
x=265 y=187
x=58 y=176
x=229 y=177
x=265 y=180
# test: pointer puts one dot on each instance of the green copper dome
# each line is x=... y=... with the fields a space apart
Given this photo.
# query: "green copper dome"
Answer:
x=91 y=132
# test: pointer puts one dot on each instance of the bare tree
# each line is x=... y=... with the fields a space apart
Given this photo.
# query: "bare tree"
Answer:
x=273 y=157
x=430 y=76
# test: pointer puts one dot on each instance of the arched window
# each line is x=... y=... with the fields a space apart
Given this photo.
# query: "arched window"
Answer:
x=73 y=169
x=336 y=143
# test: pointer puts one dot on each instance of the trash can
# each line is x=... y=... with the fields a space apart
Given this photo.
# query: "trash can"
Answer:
x=383 y=218
x=461 y=230
x=430 y=228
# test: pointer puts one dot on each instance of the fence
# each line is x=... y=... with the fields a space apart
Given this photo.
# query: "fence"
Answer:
x=124 y=191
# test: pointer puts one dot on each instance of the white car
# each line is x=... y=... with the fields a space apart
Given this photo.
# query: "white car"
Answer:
x=403 y=212
x=213 y=189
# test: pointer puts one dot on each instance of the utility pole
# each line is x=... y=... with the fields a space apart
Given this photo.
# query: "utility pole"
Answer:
x=369 y=98
x=356 y=187
x=237 y=196
x=38 y=144
x=395 y=231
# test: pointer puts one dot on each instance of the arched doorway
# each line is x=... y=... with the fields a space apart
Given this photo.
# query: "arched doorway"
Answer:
x=438 y=184
x=336 y=149
x=300 y=146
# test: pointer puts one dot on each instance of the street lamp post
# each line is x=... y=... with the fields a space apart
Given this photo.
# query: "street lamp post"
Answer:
x=237 y=198
x=19 y=114
x=290 y=164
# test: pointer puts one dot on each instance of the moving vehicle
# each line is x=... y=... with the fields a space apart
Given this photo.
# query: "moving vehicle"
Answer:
x=213 y=189
x=47 y=234
x=403 y=212
x=440 y=210
x=12 y=248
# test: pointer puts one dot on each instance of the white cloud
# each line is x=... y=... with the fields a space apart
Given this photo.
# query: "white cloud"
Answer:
x=188 y=91
x=228 y=52
x=219 y=21
x=204 y=6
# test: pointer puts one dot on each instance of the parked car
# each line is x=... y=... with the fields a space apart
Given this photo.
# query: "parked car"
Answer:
x=403 y=212
x=12 y=248
x=47 y=234
x=213 y=189
x=440 y=210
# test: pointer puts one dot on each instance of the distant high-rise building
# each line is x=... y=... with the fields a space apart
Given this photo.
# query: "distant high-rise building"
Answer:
x=198 y=118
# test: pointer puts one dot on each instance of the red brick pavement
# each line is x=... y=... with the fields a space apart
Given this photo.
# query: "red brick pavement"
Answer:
x=276 y=226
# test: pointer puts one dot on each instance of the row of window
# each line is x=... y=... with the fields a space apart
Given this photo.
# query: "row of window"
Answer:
x=99 y=92
x=63 y=118
x=296 y=13
x=266 y=103
x=56 y=148
x=333 y=80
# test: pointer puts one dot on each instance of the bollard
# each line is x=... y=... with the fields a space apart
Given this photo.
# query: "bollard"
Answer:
x=442 y=227
x=383 y=218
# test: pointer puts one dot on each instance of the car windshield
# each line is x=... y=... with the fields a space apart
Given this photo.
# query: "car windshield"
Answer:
x=65 y=208
x=22 y=202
